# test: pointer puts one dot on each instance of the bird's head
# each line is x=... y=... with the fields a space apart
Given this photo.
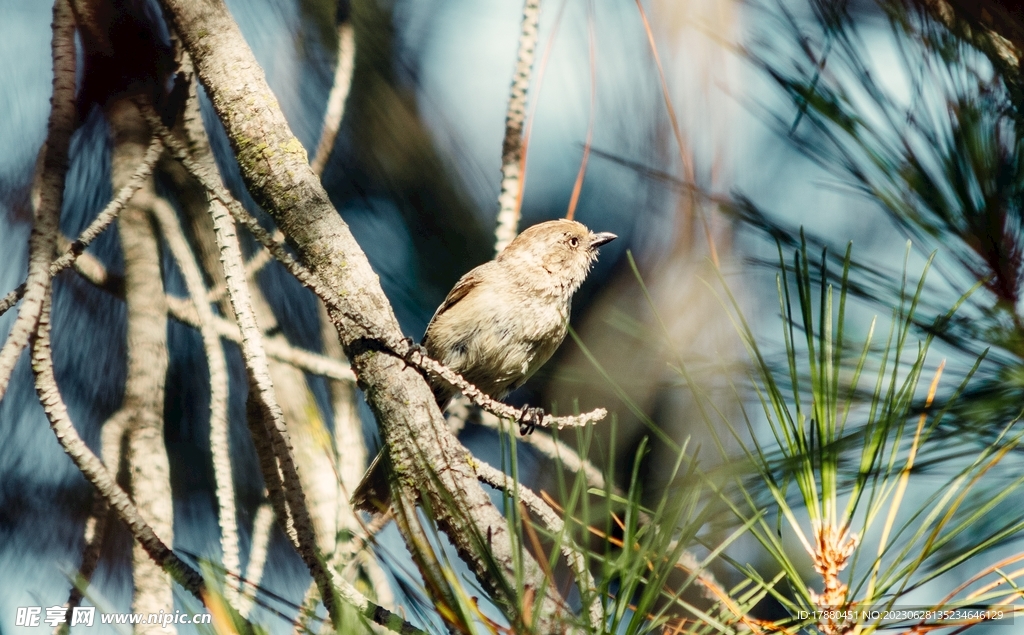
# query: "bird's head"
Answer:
x=558 y=252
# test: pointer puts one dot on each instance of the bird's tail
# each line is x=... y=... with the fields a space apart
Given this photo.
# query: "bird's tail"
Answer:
x=373 y=494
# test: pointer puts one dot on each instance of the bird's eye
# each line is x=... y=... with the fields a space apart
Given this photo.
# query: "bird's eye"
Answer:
x=574 y=241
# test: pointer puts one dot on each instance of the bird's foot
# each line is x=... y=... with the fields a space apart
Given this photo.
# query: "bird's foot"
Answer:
x=412 y=347
x=529 y=419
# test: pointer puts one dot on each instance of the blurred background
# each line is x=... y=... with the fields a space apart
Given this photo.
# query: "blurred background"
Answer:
x=761 y=151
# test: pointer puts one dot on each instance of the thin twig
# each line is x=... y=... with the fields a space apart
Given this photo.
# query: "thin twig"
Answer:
x=281 y=350
x=96 y=525
x=43 y=240
x=477 y=396
x=592 y=55
x=250 y=582
x=377 y=578
x=532 y=117
x=263 y=411
x=552 y=448
x=252 y=267
x=219 y=442
x=271 y=422
x=211 y=182
x=307 y=611
x=512 y=146
x=52 y=166
x=277 y=248
x=339 y=94
x=93 y=469
x=181 y=309
x=96 y=227
x=372 y=528
x=373 y=612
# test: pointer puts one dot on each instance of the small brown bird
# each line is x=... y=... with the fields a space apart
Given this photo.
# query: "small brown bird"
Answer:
x=504 y=319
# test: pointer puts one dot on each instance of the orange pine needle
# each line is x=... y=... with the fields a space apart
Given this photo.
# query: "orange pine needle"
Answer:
x=592 y=50
x=687 y=160
x=533 y=106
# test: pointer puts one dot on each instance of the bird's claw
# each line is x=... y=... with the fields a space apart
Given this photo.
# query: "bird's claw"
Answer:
x=412 y=347
x=529 y=419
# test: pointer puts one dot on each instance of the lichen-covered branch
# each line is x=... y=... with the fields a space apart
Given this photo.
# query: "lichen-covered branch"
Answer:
x=205 y=173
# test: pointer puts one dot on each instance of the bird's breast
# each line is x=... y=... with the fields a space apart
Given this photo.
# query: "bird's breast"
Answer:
x=497 y=339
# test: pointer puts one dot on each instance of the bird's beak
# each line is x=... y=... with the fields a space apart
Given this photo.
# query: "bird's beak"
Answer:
x=596 y=240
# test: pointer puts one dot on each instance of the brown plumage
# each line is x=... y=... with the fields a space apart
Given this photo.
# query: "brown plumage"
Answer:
x=504 y=319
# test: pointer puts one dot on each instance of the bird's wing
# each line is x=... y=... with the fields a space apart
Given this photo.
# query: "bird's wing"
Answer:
x=461 y=289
